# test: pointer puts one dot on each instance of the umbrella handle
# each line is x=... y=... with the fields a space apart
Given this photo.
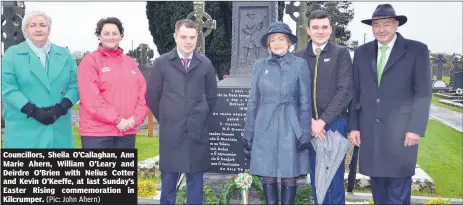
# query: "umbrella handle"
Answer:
x=352 y=170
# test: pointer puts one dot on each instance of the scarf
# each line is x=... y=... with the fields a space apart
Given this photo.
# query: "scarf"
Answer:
x=42 y=53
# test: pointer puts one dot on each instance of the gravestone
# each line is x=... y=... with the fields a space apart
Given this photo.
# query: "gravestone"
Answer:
x=204 y=23
x=440 y=61
x=439 y=84
x=458 y=80
x=301 y=21
x=456 y=68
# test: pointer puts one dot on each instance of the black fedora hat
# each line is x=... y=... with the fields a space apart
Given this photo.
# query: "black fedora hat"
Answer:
x=278 y=27
x=385 y=11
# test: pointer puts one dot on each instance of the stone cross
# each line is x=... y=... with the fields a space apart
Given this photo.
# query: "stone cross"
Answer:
x=301 y=22
x=456 y=68
x=203 y=22
x=440 y=61
x=13 y=12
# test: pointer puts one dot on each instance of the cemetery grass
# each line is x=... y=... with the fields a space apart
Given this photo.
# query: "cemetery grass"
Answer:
x=435 y=101
x=147 y=147
x=76 y=107
x=440 y=156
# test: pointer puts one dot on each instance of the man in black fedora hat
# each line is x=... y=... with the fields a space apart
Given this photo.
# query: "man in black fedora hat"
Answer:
x=389 y=111
x=331 y=66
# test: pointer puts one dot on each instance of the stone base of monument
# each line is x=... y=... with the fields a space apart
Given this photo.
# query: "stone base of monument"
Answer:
x=439 y=86
x=217 y=181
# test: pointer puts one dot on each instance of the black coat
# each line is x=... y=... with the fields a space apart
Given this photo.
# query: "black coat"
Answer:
x=182 y=102
x=384 y=114
x=334 y=80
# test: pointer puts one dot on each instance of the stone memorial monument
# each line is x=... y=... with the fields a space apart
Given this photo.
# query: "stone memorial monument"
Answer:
x=455 y=69
x=205 y=25
x=439 y=84
x=250 y=21
x=301 y=21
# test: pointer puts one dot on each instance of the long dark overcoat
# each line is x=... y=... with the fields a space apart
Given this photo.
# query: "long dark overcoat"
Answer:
x=279 y=113
x=182 y=102
x=384 y=114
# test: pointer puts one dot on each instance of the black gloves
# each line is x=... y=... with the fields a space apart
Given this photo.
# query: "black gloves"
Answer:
x=60 y=109
x=247 y=147
x=303 y=143
x=48 y=115
x=39 y=114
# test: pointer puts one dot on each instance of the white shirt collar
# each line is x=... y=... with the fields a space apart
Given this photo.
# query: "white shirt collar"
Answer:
x=181 y=56
x=390 y=45
x=315 y=46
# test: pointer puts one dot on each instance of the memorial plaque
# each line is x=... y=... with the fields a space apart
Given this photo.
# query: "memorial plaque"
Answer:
x=226 y=128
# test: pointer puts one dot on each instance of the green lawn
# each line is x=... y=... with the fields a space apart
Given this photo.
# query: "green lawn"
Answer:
x=76 y=107
x=440 y=156
x=446 y=79
x=435 y=101
x=147 y=147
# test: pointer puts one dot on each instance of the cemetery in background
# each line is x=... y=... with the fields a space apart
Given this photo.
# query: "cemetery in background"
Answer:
x=231 y=45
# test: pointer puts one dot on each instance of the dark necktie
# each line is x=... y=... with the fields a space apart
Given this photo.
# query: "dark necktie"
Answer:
x=185 y=63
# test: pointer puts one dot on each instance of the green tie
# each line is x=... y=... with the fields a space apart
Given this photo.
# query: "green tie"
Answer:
x=382 y=62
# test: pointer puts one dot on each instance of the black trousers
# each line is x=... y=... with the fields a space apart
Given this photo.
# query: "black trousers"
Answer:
x=109 y=142
x=387 y=190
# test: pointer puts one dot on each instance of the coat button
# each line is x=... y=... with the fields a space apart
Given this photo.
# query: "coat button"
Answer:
x=377 y=120
x=378 y=100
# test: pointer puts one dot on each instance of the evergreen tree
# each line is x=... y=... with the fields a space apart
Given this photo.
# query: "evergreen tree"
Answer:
x=162 y=18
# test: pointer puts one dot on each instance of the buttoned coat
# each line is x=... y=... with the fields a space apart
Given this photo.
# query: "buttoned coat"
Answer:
x=384 y=113
x=24 y=79
x=182 y=102
x=278 y=114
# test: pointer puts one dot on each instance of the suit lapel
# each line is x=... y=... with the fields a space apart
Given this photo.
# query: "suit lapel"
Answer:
x=194 y=62
x=176 y=61
x=56 y=64
x=34 y=65
x=398 y=50
x=372 y=51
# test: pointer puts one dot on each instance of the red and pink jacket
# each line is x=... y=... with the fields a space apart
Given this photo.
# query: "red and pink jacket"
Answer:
x=111 y=87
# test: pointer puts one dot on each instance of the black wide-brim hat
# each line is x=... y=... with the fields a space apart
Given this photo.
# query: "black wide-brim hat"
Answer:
x=278 y=27
x=384 y=11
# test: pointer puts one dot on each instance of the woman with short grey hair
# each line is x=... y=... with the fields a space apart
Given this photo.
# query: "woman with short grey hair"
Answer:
x=39 y=86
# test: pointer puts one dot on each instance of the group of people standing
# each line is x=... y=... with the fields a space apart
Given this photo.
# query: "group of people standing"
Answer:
x=380 y=101
x=41 y=82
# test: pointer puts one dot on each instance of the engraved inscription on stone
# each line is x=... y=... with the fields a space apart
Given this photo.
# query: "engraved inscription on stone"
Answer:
x=226 y=129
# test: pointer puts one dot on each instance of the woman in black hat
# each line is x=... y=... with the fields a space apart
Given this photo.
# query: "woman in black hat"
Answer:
x=278 y=118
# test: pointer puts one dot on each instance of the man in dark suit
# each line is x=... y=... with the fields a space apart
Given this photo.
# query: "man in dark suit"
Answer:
x=331 y=68
x=181 y=94
x=390 y=108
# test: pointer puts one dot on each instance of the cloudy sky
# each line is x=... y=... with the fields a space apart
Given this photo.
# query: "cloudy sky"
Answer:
x=438 y=24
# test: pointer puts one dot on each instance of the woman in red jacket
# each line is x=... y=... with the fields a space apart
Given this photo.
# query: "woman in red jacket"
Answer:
x=112 y=92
